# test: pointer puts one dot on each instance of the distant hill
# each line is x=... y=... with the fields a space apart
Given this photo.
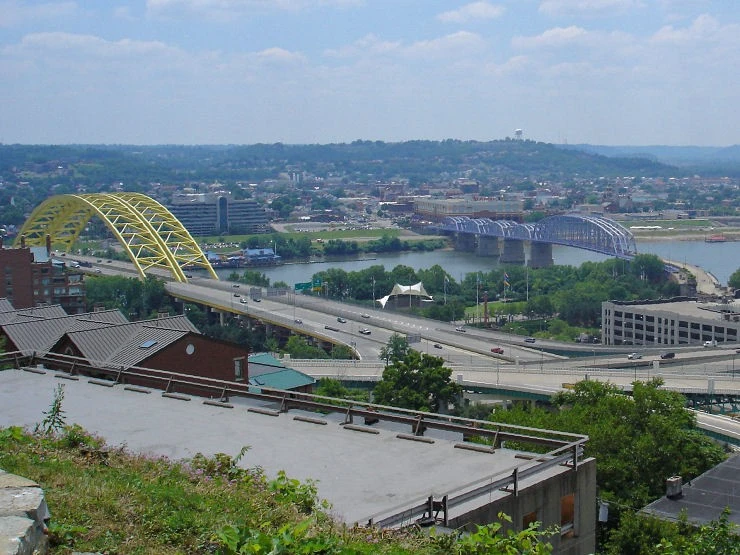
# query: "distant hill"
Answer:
x=418 y=161
x=719 y=160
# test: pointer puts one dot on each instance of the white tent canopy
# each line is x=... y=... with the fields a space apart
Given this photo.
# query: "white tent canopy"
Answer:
x=416 y=290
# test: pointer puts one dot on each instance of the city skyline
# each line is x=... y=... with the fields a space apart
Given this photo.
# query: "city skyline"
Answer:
x=609 y=72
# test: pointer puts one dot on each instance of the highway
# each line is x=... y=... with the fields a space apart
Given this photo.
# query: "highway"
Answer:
x=468 y=349
x=522 y=366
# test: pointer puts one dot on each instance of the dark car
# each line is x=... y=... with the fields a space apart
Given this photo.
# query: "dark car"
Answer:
x=437 y=346
x=341 y=320
x=668 y=355
x=529 y=339
x=497 y=350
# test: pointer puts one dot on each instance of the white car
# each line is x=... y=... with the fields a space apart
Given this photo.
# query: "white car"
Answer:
x=634 y=356
x=364 y=331
x=460 y=328
x=243 y=300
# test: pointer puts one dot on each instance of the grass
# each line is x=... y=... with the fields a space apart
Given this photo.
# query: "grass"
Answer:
x=113 y=501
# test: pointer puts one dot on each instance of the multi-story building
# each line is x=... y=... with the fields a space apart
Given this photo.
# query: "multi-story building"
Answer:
x=214 y=213
x=32 y=278
x=669 y=322
x=437 y=209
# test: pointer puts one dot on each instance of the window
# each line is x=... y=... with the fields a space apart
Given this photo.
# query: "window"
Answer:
x=239 y=369
x=528 y=519
x=567 y=515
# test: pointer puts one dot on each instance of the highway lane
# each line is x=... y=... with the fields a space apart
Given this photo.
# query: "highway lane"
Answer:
x=470 y=348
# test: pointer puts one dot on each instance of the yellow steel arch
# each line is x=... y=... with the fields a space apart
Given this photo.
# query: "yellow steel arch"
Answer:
x=150 y=234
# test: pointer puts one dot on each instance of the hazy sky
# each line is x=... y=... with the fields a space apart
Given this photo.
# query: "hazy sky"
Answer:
x=613 y=72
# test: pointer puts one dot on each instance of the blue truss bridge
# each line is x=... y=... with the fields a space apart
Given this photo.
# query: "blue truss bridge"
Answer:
x=506 y=238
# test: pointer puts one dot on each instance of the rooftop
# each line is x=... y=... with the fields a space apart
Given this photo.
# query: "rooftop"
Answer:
x=360 y=474
x=705 y=497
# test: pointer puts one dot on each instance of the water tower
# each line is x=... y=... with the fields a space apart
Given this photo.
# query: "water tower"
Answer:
x=518 y=134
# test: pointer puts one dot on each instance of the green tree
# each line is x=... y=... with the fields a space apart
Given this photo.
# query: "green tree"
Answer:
x=734 y=280
x=637 y=441
x=418 y=382
x=396 y=349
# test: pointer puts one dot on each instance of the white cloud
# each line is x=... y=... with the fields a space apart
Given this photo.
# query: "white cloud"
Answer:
x=280 y=56
x=448 y=46
x=14 y=12
x=704 y=28
x=225 y=10
x=560 y=8
x=558 y=36
x=475 y=11
x=89 y=46
x=367 y=45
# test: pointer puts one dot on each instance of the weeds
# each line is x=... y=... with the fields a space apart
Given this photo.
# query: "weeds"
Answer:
x=54 y=419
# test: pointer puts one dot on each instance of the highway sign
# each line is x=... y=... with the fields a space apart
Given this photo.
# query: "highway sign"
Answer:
x=303 y=286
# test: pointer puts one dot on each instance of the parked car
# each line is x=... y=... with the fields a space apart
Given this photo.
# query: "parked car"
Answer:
x=712 y=343
x=497 y=350
x=634 y=356
x=341 y=320
x=668 y=355
x=364 y=331
x=529 y=339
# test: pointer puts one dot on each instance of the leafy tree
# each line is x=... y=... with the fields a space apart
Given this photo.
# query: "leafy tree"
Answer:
x=396 y=349
x=418 y=382
x=637 y=441
x=329 y=387
x=298 y=347
x=734 y=280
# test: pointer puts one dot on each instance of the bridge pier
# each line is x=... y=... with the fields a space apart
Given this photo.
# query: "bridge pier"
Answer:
x=513 y=251
x=464 y=242
x=488 y=246
x=540 y=255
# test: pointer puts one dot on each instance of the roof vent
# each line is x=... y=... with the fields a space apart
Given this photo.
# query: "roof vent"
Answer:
x=673 y=487
x=147 y=344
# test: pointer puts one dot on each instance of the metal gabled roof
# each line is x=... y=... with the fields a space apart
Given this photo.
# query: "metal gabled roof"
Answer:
x=6 y=305
x=40 y=335
x=121 y=345
x=28 y=314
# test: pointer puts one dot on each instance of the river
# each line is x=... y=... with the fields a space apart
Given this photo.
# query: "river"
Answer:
x=720 y=259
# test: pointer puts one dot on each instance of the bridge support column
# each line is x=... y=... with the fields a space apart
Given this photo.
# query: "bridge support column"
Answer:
x=513 y=251
x=465 y=242
x=488 y=246
x=541 y=255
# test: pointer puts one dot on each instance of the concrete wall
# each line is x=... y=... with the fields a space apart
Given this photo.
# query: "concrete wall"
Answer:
x=543 y=497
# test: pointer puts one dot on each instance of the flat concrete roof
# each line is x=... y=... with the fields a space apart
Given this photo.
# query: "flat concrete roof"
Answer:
x=694 y=309
x=360 y=474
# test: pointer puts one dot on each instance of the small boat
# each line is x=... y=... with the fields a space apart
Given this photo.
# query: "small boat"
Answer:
x=715 y=239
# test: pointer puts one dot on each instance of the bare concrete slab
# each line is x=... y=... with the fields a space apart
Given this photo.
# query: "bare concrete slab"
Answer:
x=359 y=474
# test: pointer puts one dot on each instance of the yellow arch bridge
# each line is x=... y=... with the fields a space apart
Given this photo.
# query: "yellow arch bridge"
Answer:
x=151 y=236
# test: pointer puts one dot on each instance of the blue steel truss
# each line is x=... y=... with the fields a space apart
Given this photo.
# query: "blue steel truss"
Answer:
x=584 y=232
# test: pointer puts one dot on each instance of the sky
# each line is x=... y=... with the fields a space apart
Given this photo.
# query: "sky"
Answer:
x=606 y=72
